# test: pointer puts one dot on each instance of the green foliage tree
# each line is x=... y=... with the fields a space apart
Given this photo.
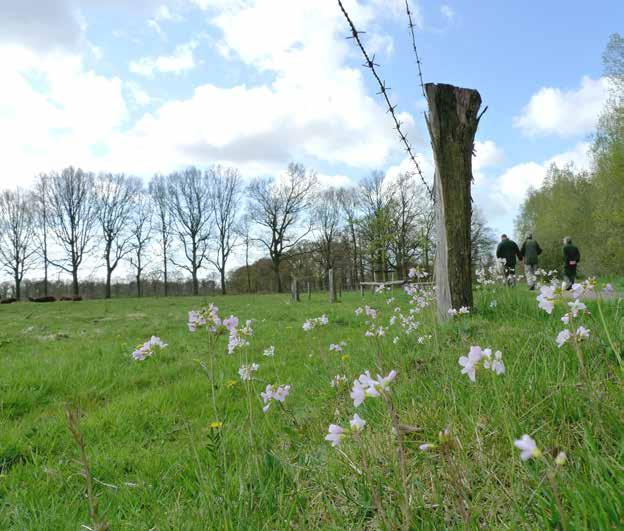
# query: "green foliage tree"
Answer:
x=588 y=206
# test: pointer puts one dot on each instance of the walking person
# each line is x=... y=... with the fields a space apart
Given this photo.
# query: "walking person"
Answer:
x=571 y=258
x=530 y=250
x=508 y=249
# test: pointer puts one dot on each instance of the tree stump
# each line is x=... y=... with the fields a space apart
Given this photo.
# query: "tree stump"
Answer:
x=452 y=120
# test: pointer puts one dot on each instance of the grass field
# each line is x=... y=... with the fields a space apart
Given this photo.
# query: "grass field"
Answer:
x=159 y=462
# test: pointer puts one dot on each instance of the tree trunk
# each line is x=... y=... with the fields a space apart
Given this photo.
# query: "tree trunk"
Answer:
x=165 y=274
x=222 y=281
x=138 y=281
x=453 y=120
x=195 y=283
x=45 y=274
x=75 y=286
x=278 y=279
x=107 y=294
x=18 y=287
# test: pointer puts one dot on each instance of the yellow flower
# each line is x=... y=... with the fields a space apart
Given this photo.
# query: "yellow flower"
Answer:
x=216 y=425
x=231 y=383
x=344 y=357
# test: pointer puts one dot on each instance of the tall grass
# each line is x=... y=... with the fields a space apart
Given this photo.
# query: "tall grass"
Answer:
x=162 y=454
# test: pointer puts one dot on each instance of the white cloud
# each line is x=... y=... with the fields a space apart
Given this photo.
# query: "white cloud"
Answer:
x=447 y=11
x=564 y=112
x=500 y=197
x=315 y=109
x=487 y=154
x=425 y=161
x=54 y=112
x=182 y=60
x=41 y=25
x=311 y=107
x=334 y=181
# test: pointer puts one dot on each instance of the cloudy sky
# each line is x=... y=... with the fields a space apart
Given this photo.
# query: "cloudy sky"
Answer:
x=145 y=86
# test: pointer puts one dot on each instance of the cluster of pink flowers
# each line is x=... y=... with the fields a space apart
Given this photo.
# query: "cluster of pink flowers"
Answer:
x=337 y=347
x=546 y=298
x=366 y=386
x=414 y=273
x=373 y=331
x=368 y=311
x=464 y=310
x=274 y=393
x=338 y=380
x=147 y=349
x=237 y=336
x=576 y=307
x=207 y=317
x=565 y=335
x=337 y=433
x=478 y=356
x=309 y=324
x=246 y=371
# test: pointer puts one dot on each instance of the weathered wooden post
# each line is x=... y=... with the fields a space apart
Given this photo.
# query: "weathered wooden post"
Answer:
x=294 y=289
x=452 y=120
x=332 y=286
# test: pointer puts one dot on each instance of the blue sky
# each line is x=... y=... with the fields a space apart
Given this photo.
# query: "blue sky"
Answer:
x=149 y=86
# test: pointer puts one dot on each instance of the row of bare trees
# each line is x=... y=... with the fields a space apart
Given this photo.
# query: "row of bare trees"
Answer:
x=196 y=220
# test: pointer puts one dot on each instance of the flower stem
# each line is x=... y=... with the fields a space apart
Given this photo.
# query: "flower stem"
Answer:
x=402 y=461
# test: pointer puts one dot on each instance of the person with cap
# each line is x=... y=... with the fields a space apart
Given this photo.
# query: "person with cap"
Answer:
x=571 y=258
x=508 y=250
x=530 y=250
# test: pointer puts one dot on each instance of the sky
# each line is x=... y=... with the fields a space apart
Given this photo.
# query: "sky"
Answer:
x=151 y=86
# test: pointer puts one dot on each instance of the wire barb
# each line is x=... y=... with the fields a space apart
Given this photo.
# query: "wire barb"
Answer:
x=383 y=90
x=418 y=61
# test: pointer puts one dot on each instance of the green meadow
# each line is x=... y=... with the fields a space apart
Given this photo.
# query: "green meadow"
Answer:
x=164 y=455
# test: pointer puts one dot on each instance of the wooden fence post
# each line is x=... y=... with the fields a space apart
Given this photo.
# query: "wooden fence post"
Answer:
x=332 y=287
x=452 y=121
x=294 y=289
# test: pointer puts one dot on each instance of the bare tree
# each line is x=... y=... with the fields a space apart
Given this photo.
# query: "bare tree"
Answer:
x=405 y=210
x=160 y=200
x=327 y=218
x=17 y=247
x=140 y=229
x=73 y=215
x=376 y=221
x=225 y=198
x=349 y=201
x=114 y=194
x=42 y=224
x=277 y=207
x=189 y=196
x=244 y=232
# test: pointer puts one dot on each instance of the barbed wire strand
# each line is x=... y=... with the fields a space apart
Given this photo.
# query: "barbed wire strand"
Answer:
x=418 y=61
x=383 y=90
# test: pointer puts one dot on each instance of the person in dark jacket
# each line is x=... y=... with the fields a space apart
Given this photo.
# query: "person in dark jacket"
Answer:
x=530 y=250
x=571 y=258
x=508 y=249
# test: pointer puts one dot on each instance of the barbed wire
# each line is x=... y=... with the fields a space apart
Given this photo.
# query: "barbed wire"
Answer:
x=418 y=61
x=383 y=90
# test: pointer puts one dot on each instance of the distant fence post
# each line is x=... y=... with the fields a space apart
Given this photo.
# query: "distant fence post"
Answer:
x=294 y=289
x=332 y=286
